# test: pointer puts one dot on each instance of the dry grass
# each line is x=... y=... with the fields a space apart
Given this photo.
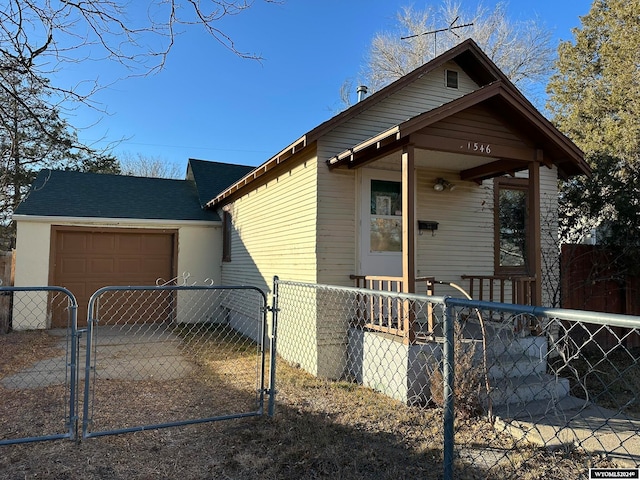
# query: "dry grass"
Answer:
x=333 y=430
x=23 y=348
x=612 y=380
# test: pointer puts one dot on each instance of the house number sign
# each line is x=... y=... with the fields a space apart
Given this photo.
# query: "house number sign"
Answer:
x=479 y=147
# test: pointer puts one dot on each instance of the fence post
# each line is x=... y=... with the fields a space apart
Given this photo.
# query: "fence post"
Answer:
x=449 y=384
x=73 y=372
x=87 y=371
x=272 y=368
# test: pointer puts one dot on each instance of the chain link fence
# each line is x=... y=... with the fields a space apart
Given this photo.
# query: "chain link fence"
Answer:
x=508 y=391
x=38 y=365
x=174 y=355
x=486 y=390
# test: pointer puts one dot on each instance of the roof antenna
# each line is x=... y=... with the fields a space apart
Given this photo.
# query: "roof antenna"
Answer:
x=452 y=26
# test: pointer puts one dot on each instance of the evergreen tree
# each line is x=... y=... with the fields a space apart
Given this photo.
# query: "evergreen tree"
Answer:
x=594 y=96
x=33 y=136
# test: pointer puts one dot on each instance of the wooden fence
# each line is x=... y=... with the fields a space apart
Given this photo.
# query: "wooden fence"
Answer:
x=591 y=281
x=7 y=268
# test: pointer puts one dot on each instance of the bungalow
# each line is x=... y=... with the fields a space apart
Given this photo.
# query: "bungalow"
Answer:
x=447 y=173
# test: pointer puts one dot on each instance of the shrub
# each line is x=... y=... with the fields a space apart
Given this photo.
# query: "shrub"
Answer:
x=468 y=377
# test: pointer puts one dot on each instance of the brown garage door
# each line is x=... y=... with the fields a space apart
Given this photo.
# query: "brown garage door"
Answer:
x=87 y=259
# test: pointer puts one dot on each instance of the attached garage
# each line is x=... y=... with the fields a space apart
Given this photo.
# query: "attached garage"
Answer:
x=86 y=259
x=84 y=231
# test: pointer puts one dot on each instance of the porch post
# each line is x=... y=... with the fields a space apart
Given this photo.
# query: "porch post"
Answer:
x=408 y=221
x=535 y=251
x=408 y=240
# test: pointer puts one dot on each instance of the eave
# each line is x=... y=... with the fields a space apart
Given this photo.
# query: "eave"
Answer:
x=289 y=151
x=467 y=54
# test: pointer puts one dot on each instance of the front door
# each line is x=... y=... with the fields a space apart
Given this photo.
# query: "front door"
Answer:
x=381 y=223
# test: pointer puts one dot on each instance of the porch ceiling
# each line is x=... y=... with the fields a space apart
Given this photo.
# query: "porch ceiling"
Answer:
x=467 y=167
x=455 y=162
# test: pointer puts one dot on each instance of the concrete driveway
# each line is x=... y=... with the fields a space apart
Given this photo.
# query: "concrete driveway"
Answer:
x=127 y=352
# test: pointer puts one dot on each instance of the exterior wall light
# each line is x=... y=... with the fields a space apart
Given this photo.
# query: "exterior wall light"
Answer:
x=442 y=184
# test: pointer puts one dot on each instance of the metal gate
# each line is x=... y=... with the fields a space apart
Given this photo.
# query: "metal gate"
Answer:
x=166 y=356
x=38 y=371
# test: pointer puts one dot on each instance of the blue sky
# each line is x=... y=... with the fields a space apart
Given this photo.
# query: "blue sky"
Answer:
x=209 y=104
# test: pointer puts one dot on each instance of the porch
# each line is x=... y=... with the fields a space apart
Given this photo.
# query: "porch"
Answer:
x=398 y=318
x=381 y=339
x=465 y=193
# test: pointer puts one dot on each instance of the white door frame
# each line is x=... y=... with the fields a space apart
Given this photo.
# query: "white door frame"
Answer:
x=374 y=263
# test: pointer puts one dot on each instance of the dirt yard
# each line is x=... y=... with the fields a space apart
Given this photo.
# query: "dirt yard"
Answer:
x=332 y=430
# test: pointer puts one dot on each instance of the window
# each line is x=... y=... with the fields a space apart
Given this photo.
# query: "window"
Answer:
x=226 y=236
x=386 y=216
x=451 y=78
x=511 y=229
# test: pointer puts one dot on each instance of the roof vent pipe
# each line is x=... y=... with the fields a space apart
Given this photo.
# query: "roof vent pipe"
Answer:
x=361 y=91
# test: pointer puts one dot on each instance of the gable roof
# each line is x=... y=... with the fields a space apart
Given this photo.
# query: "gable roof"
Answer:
x=57 y=193
x=508 y=103
x=212 y=178
x=467 y=54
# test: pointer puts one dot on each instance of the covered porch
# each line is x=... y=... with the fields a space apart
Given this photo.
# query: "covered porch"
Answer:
x=399 y=318
x=503 y=159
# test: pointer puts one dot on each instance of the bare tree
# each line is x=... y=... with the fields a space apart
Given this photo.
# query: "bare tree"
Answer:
x=521 y=49
x=144 y=166
x=40 y=37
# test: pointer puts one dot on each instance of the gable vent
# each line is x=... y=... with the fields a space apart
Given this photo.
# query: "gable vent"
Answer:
x=451 y=78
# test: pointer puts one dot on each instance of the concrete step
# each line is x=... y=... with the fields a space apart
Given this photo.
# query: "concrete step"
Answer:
x=509 y=365
x=535 y=347
x=520 y=390
x=538 y=410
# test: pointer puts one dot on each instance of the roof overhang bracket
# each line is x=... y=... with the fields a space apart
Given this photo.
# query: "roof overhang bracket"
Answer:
x=493 y=169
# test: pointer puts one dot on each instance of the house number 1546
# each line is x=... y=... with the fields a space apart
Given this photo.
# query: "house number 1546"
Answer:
x=479 y=147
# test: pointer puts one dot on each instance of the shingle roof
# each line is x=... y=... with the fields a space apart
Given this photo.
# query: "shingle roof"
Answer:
x=57 y=193
x=467 y=54
x=76 y=194
x=213 y=177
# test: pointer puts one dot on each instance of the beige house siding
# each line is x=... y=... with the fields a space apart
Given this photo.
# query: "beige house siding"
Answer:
x=463 y=243
x=337 y=227
x=338 y=190
x=274 y=229
x=421 y=96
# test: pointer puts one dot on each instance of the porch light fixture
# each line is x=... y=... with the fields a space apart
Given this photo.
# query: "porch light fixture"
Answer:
x=442 y=184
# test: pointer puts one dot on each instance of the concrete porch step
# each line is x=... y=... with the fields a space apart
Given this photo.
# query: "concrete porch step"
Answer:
x=509 y=365
x=521 y=390
x=535 y=347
